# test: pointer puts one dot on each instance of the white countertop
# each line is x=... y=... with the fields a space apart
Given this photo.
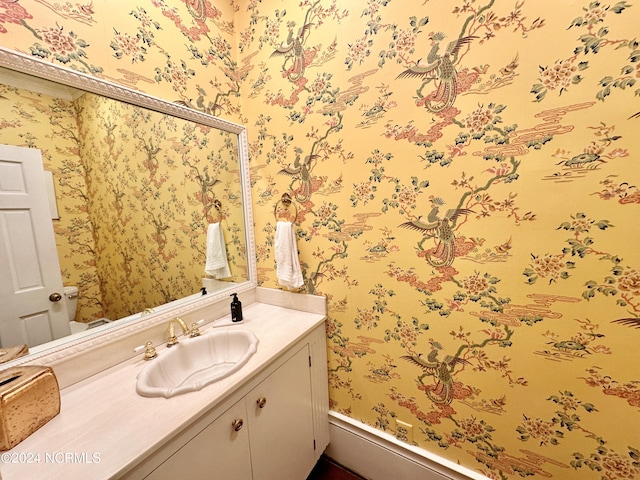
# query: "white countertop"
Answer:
x=104 y=427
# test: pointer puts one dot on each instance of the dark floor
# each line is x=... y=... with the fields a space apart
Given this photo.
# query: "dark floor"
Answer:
x=326 y=469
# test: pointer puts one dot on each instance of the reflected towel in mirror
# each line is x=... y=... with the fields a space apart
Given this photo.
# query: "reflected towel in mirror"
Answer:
x=216 y=265
x=287 y=262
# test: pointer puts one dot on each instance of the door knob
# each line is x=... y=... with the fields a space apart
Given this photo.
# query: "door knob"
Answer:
x=55 y=297
x=262 y=401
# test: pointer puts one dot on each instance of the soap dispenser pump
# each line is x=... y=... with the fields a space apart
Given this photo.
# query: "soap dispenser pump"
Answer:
x=236 y=308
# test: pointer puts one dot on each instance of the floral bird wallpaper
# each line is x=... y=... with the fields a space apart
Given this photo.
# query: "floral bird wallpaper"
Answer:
x=153 y=183
x=36 y=120
x=465 y=181
x=135 y=191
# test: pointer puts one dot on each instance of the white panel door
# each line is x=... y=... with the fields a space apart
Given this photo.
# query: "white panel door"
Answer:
x=30 y=281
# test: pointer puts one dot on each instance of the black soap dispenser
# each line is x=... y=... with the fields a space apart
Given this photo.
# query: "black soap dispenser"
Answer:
x=236 y=308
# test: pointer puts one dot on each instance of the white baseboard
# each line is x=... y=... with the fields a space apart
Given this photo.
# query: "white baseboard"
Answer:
x=376 y=455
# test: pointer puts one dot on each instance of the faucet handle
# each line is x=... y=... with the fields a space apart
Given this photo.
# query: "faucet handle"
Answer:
x=149 y=351
x=195 y=328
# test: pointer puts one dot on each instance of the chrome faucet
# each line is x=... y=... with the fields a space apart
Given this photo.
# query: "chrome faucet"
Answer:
x=171 y=333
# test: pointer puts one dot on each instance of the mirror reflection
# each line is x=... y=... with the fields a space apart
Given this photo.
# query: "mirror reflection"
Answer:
x=133 y=195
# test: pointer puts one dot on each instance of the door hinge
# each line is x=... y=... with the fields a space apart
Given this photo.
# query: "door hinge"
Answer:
x=314 y=443
x=309 y=360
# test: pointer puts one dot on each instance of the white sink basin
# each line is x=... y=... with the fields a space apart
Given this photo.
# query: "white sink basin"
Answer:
x=196 y=362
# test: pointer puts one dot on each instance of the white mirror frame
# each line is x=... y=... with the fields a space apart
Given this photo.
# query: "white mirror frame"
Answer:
x=38 y=68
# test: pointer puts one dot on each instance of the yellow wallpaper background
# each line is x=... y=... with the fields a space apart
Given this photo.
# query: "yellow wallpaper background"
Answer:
x=152 y=182
x=466 y=182
x=33 y=120
x=132 y=228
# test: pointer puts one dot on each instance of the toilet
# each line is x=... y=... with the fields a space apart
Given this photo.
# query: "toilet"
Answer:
x=71 y=300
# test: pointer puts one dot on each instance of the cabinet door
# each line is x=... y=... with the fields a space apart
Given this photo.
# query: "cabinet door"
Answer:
x=219 y=452
x=281 y=423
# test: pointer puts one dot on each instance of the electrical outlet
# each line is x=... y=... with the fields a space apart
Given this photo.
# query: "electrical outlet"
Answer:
x=404 y=431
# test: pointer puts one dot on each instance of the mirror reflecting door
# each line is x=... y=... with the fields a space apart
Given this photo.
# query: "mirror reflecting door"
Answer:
x=31 y=289
x=139 y=195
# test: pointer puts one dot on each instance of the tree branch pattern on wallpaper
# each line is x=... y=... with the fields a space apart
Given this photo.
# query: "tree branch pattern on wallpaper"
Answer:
x=486 y=133
x=465 y=189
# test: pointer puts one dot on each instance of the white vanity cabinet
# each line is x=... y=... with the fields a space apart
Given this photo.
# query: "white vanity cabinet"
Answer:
x=267 y=435
x=106 y=431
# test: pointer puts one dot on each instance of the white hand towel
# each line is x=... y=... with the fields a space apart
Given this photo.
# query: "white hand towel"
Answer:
x=287 y=262
x=217 y=265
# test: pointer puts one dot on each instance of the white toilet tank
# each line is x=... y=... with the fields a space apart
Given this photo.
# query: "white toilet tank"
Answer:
x=71 y=299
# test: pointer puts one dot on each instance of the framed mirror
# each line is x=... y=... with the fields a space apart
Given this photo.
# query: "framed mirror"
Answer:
x=136 y=185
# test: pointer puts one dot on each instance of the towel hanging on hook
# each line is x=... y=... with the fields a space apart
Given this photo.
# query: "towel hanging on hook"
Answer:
x=286 y=251
x=288 y=268
x=217 y=265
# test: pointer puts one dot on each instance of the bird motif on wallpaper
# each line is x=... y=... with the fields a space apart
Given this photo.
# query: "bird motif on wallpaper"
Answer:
x=440 y=68
x=503 y=248
x=442 y=230
x=293 y=48
x=301 y=169
x=441 y=371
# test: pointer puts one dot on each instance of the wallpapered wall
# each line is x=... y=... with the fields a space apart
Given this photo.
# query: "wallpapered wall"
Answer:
x=34 y=120
x=465 y=177
x=135 y=191
x=152 y=182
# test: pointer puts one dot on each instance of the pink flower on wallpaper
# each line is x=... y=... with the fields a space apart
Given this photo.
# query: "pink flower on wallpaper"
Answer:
x=58 y=42
x=12 y=12
x=618 y=153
